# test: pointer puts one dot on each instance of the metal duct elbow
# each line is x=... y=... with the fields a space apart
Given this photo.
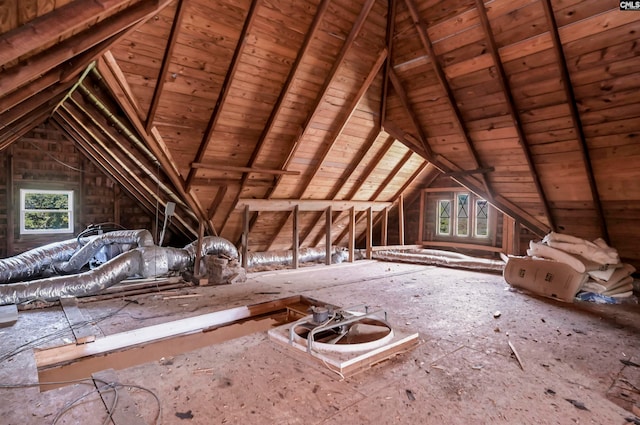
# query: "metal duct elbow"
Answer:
x=141 y=238
x=35 y=261
x=213 y=245
x=51 y=289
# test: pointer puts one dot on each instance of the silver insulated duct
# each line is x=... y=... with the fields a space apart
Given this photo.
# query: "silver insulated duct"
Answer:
x=146 y=261
x=32 y=263
x=305 y=255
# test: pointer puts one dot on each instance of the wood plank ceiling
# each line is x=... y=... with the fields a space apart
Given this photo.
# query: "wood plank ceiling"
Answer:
x=532 y=104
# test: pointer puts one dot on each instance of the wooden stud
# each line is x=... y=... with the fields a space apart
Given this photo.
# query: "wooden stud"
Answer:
x=401 y=220
x=245 y=236
x=421 y=217
x=385 y=227
x=296 y=236
x=369 y=234
x=196 y=265
x=327 y=230
x=352 y=234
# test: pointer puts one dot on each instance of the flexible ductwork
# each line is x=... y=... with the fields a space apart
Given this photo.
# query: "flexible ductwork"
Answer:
x=146 y=261
x=80 y=258
x=34 y=262
x=305 y=255
x=441 y=258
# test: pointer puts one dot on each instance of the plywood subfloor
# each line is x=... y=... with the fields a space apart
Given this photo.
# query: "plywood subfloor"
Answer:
x=462 y=372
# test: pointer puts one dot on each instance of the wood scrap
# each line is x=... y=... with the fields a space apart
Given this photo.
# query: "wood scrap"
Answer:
x=515 y=353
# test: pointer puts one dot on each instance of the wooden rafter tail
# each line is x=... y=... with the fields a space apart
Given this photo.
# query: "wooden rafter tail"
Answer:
x=575 y=117
x=513 y=110
x=224 y=91
x=442 y=80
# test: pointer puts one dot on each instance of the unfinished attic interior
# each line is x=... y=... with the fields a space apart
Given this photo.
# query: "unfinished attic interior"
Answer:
x=319 y=211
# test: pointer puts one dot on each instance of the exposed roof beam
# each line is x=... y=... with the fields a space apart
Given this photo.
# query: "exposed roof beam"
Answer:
x=575 y=117
x=76 y=15
x=153 y=140
x=442 y=79
x=107 y=30
x=404 y=99
x=224 y=90
x=469 y=172
x=403 y=189
x=392 y=175
x=20 y=95
x=275 y=111
x=391 y=24
x=337 y=63
x=166 y=62
x=308 y=205
x=23 y=126
x=513 y=110
x=346 y=175
x=498 y=201
x=351 y=109
x=222 y=191
x=44 y=97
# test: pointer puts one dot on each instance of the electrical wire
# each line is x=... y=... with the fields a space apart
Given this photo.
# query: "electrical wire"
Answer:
x=106 y=386
x=54 y=335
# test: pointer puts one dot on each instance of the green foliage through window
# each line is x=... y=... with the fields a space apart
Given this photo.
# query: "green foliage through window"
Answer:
x=46 y=211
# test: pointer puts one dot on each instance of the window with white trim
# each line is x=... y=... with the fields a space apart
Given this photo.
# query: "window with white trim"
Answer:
x=46 y=211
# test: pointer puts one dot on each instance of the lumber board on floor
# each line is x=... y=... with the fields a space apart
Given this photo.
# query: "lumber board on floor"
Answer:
x=8 y=315
x=124 y=411
x=124 y=340
x=83 y=330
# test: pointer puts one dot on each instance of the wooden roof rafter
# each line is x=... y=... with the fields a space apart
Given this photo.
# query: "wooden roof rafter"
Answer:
x=351 y=109
x=166 y=62
x=344 y=178
x=391 y=20
x=503 y=80
x=224 y=90
x=392 y=175
x=400 y=192
x=46 y=96
x=114 y=83
x=337 y=63
x=363 y=178
x=442 y=80
x=275 y=111
x=85 y=45
x=23 y=126
x=46 y=81
x=575 y=116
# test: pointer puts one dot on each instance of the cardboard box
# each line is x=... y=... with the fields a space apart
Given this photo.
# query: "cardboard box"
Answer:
x=548 y=278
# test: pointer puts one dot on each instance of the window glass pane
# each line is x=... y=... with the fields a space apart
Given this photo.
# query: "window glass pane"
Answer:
x=444 y=217
x=46 y=211
x=46 y=220
x=462 y=226
x=482 y=218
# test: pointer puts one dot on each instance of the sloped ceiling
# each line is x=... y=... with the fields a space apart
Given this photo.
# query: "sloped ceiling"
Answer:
x=532 y=104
